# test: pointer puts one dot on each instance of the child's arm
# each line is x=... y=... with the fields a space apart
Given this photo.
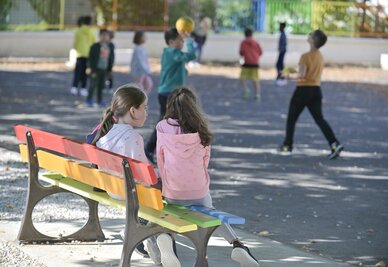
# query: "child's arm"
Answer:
x=92 y=59
x=242 y=49
x=160 y=159
x=143 y=59
x=302 y=71
x=111 y=59
x=189 y=55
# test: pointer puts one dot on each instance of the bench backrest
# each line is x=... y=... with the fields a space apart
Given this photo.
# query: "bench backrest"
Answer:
x=77 y=170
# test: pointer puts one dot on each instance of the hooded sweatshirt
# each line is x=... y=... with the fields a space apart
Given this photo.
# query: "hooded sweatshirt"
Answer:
x=83 y=40
x=182 y=162
x=122 y=139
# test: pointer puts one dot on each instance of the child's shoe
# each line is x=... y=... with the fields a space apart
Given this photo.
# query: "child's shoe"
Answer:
x=285 y=150
x=89 y=103
x=281 y=82
x=102 y=104
x=336 y=149
x=139 y=248
x=242 y=255
x=167 y=253
x=74 y=90
x=153 y=250
x=84 y=92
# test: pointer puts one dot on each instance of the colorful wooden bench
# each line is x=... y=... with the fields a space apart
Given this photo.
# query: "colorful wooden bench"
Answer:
x=68 y=164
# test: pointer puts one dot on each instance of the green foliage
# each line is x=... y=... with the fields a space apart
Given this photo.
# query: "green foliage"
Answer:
x=47 y=10
x=234 y=15
x=296 y=13
x=337 y=18
x=5 y=7
x=30 y=27
x=130 y=13
x=196 y=9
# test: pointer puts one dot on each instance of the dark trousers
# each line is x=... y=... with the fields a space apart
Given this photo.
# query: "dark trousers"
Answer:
x=310 y=97
x=280 y=64
x=97 y=83
x=80 y=72
x=151 y=144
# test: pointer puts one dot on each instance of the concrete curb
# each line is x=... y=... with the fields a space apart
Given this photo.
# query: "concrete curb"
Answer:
x=270 y=253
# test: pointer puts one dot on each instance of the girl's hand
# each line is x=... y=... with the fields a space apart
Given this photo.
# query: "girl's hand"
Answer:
x=88 y=71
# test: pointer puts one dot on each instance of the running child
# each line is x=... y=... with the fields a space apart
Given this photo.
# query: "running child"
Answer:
x=308 y=94
x=183 y=154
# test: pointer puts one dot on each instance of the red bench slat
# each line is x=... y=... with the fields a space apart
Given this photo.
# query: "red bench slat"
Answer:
x=108 y=160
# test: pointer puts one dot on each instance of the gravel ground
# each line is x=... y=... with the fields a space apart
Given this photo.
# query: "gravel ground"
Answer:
x=11 y=256
x=334 y=208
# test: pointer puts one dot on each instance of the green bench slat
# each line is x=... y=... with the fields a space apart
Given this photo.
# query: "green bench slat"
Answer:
x=81 y=189
x=200 y=219
x=159 y=217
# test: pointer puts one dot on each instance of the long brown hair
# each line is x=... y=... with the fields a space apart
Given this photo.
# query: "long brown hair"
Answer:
x=182 y=105
x=125 y=97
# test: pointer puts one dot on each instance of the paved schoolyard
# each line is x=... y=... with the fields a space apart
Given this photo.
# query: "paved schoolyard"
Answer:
x=338 y=209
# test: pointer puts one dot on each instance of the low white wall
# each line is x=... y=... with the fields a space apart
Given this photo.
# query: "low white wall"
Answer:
x=222 y=48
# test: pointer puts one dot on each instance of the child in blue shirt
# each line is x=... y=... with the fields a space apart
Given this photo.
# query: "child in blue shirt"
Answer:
x=173 y=74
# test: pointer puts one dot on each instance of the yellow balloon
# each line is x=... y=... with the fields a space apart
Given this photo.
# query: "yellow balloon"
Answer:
x=185 y=24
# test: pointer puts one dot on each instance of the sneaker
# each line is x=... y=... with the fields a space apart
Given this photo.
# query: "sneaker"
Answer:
x=245 y=94
x=139 y=248
x=168 y=256
x=89 y=103
x=281 y=82
x=153 y=250
x=74 y=90
x=242 y=255
x=258 y=98
x=285 y=150
x=84 y=92
x=102 y=104
x=336 y=149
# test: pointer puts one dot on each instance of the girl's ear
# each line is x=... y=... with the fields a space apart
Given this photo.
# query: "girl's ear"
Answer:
x=132 y=111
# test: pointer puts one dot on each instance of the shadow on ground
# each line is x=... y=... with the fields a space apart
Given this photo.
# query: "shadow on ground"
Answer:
x=335 y=208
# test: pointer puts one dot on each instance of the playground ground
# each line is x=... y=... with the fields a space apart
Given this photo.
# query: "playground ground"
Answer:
x=337 y=209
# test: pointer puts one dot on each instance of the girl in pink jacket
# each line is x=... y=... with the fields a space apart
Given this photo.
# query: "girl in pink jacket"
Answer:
x=183 y=153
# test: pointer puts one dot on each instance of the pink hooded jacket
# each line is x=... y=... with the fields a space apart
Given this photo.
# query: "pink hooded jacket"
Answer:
x=182 y=162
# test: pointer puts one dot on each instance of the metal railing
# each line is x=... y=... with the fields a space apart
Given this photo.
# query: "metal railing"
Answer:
x=341 y=18
x=25 y=15
x=334 y=17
